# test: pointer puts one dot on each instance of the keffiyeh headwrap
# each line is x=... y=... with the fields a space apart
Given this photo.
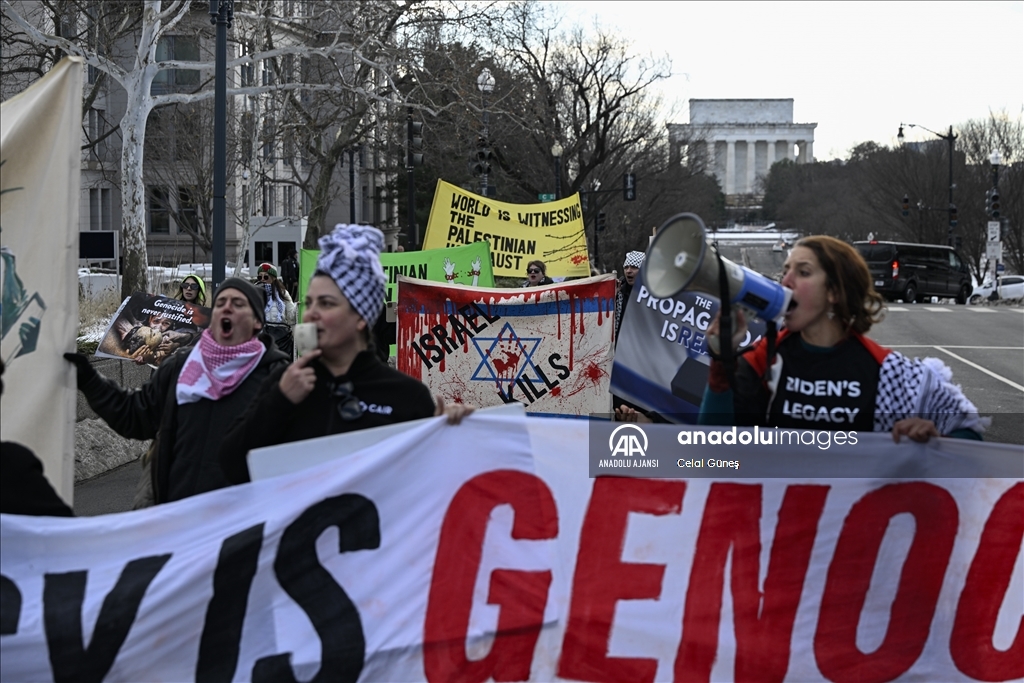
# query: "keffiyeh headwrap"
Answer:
x=213 y=371
x=634 y=258
x=350 y=256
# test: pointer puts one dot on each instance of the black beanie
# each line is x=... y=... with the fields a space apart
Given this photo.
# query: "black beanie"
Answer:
x=257 y=298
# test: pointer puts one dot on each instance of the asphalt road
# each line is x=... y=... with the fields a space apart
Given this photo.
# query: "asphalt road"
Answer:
x=112 y=491
x=982 y=345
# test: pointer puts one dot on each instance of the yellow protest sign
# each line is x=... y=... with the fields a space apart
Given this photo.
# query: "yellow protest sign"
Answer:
x=518 y=233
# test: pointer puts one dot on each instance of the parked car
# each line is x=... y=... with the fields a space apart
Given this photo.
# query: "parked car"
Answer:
x=916 y=272
x=1010 y=287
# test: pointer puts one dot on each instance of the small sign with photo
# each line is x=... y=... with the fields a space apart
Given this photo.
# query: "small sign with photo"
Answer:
x=149 y=328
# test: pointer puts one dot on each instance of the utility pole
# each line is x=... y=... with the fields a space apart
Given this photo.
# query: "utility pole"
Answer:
x=221 y=14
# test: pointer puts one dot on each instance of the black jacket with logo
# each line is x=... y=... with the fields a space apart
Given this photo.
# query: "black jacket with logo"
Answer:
x=386 y=395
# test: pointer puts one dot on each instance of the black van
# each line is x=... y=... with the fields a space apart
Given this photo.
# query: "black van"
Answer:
x=914 y=272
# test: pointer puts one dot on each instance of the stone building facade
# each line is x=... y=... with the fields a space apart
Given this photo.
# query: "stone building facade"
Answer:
x=738 y=141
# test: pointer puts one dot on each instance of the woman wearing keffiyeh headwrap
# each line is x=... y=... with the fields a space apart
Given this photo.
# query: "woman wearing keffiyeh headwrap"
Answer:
x=341 y=386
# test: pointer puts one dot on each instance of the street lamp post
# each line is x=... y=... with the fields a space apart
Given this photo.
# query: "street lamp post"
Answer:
x=485 y=83
x=996 y=159
x=221 y=14
x=950 y=138
x=556 y=152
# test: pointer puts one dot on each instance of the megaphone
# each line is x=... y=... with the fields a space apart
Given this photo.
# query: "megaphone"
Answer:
x=678 y=259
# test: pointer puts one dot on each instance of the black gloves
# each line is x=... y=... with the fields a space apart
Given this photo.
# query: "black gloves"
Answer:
x=82 y=365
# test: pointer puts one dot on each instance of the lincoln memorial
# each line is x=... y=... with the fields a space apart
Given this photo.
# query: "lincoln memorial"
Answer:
x=739 y=140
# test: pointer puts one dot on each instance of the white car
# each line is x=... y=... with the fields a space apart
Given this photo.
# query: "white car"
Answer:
x=1010 y=287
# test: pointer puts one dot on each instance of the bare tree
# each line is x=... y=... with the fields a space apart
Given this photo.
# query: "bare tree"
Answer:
x=864 y=194
x=136 y=73
x=587 y=90
x=979 y=138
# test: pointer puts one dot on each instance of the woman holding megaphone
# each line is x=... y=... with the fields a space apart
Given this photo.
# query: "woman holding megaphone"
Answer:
x=824 y=373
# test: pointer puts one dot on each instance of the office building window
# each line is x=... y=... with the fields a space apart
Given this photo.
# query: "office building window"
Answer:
x=289 y=200
x=264 y=252
x=269 y=200
x=158 y=211
x=268 y=139
x=177 y=48
x=188 y=211
x=100 y=209
x=247 y=72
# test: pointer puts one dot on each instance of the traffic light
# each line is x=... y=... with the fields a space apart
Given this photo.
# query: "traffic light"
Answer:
x=952 y=215
x=906 y=204
x=958 y=243
x=480 y=164
x=600 y=221
x=415 y=143
x=629 y=187
x=994 y=205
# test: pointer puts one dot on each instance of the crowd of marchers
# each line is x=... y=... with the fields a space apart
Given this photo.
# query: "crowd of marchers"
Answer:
x=235 y=390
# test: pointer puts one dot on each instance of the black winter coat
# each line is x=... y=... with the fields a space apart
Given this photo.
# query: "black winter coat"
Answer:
x=386 y=396
x=190 y=435
x=23 y=488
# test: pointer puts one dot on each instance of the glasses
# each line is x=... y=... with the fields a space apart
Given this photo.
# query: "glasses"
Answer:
x=190 y=285
x=349 y=407
x=264 y=278
x=533 y=271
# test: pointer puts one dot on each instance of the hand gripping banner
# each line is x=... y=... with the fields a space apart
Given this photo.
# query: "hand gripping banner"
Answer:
x=484 y=551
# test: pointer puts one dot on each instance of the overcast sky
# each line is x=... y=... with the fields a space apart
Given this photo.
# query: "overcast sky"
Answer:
x=857 y=69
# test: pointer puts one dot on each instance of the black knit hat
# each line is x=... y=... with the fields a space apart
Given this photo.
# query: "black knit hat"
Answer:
x=257 y=298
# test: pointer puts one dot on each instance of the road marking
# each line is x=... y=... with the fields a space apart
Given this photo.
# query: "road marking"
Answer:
x=988 y=372
x=936 y=309
x=897 y=308
x=932 y=346
x=980 y=310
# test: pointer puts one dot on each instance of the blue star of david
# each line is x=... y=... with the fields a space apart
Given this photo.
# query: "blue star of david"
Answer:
x=525 y=346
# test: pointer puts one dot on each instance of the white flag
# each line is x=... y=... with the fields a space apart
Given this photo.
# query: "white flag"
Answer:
x=40 y=139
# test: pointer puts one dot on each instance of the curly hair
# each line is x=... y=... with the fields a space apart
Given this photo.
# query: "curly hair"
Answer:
x=857 y=305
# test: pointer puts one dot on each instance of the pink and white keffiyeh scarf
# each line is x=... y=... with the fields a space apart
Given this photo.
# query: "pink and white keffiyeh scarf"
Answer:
x=213 y=371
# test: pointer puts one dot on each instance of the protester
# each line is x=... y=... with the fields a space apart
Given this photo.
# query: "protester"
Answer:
x=626 y=411
x=23 y=488
x=290 y=274
x=624 y=286
x=194 y=396
x=824 y=373
x=341 y=386
x=193 y=290
x=280 y=310
x=537 y=275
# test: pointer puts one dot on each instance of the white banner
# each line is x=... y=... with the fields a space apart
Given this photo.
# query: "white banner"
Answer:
x=40 y=141
x=485 y=551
